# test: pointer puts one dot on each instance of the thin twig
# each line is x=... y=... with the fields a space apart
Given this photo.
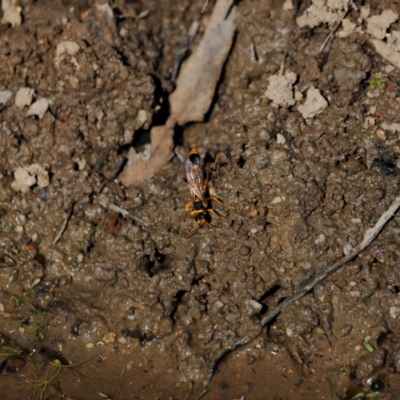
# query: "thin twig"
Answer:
x=339 y=21
x=11 y=314
x=65 y=224
x=126 y=214
x=369 y=237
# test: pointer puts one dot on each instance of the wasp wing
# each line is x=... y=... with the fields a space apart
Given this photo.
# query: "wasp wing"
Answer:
x=194 y=175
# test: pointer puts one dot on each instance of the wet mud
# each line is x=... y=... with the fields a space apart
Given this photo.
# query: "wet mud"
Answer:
x=98 y=303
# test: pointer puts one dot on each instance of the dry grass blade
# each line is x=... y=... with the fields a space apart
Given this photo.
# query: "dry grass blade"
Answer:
x=138 y=169
x=193 y=96
x=369 y=236
x=199 y=76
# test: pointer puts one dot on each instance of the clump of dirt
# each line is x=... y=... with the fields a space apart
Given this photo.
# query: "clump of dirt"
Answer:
x=99 y=280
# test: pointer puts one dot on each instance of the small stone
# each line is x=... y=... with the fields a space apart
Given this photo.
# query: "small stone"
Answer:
x=280 y=139
x=287 y=5
x=39 y=108
x=23 y=180
x=263 y=134
x=109 y=337
x=69 y=47
x=377 y=25
x=347 y=28
x=218 y=304
x=5 y=96
x=141 y=118
x=81 y=163
x=320 y=239
x=369 y=123
x=280 y=89
x=347 y=249
x=381 y=134
x=289 y=332
x=315 y=103
x=276 y=200
x=394 y=312
x=137 y=202
x=11 y=13
x=24 y=97
x=35 y=238
x=274 y=348
x=41 y=174
x=365 y=11
x=25 y=177
x=394 y=127
x=389 y=68
x=253 y=307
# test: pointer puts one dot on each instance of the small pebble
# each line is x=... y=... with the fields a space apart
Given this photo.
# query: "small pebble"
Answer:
x=380 y=133
x=347 y=248
x=320 y=239
x=39 y=108
x=35 y=238
x=274 y=348
x=5 y=96
x=289 y=332
x=244 y=251
x=109 y=337
x=24 y=97
x=141 y=118
x=280 y=139
x=69 y=47
x=121 y=340
x=218 y=304
x=276 y=200
x=394 y=312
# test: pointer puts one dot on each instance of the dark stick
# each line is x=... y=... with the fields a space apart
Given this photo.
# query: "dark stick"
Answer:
x=369 y=237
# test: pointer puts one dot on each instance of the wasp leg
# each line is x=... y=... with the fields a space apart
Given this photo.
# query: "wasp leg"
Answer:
x=193 y=230
x=209 y=170
x=197 y=226
x=211 y=211
x=213 y=198
x=215 y=163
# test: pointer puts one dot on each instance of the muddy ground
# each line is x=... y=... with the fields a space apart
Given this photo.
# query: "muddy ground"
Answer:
x=132 y=309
